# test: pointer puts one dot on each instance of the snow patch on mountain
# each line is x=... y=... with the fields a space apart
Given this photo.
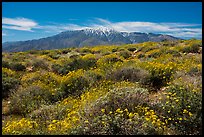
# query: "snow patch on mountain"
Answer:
x=103 y=31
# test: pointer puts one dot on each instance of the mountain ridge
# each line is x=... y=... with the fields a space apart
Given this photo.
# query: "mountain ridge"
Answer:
x=84 y=37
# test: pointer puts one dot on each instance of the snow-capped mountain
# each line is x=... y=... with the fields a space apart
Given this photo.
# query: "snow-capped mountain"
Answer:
x=85 y=37
x=99 y=31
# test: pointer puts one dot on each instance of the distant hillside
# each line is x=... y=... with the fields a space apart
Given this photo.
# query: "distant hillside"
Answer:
x=79 y=38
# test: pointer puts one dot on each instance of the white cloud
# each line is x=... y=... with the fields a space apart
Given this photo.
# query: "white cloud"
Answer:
x=60 y=27
x=22 y=24
x=175 y=29
x=171 y=28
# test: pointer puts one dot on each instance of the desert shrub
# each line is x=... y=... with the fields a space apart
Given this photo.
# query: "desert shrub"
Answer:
x=141 y=55
x=89 y=60
x=53 y=55
x=161 y=74
x=173 y=52
x=108 y=59
x=23 y=126
x=132 y=74
x=194 y=48
x=74 y=56
x=104 y=53
x=41 y=64
x=5 y=64
x=9 y=83
x=116 y=123
x=131 y=49
x=114 y=49
x=128 y=97
x=46 y=80
x=48 y=113
x=94 y=76
x=185 y=109
x=180 y=105
x=125 y=54
x=57 y=68
x=45 y=52
x=69 y=65
x=146 y=49
x=85 y=62
x=194 y=71
x=17 y=66
x=155 y=54
x=74 y=83
x=65 y=51
x=28 y=99
x=33 y=51
x=169 y=43
x=118 y=113
x=85 y=50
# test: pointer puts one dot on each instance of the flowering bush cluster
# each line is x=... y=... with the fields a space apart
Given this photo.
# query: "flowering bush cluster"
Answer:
x=151 y=88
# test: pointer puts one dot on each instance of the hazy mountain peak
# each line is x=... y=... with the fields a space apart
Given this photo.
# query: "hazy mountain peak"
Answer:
x=85 y=37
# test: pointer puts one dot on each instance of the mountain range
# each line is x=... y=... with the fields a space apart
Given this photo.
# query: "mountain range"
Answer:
x=85 y=37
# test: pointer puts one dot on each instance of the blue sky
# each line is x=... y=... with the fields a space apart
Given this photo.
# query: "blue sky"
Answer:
x=33 y=20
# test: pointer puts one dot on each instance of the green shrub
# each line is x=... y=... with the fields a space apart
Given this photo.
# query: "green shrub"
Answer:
x=160 y=74
x=131 y=74
x=94 y=76
x=65 y=51
x=85 y=50
x=155 y=54
x=57 y=68
x=41 y=64
x=174 y=53
x=9 y=83
x=141 y=55
x=53 y=55
x=114 y=50
x=194 y=71
x=108 y=59
x=74 y=56
x=28 y=99
x=74 y=83
x=114 y=114
x=85 y=62
x=131 y=49
x=45 y=52
x=17 y=66
x=187 y=107
x=5 y=64
x=194 y=48
x=125 y=54
x=88 y=60
x=127 y=97
x=33 y=51
x=48 y=113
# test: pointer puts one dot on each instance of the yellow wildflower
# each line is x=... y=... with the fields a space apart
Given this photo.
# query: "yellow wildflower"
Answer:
x=119 y=111
x=185 y=111
x=102 y=110
x=126 y=110
x=54 y=121
x=169 y=111
x=180 y=118
x=147 y=119
x=190 y=114
x=131 y=115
